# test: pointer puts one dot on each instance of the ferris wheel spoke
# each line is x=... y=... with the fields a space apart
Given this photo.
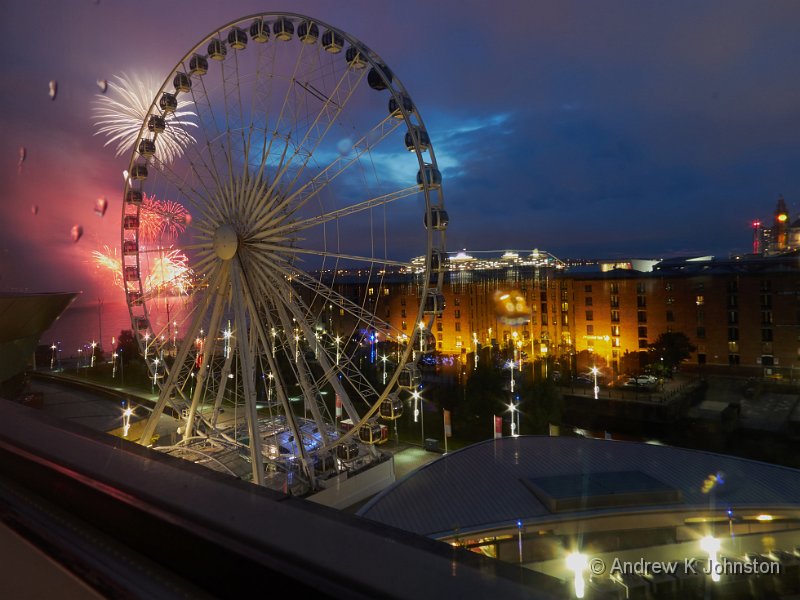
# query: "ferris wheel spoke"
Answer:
x=334 y=215
x=280 y=385
x=330 y=296
x=197 y=199
x=294 y=309
x=258 y=124
x=301 y=196
x=212 y=142
x=247 y=369
x=234 y=132
x=366 y=260
x=329 y=375
x=219 y=297
x=300 y=367
x=333 y=104
x=262 y=96
x=277 y=129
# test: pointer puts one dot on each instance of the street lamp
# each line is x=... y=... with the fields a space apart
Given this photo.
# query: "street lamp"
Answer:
x=126 y=421
x=514 y=336
x=514 y=422
x=338 y=339
x=53 y=356
x=596 y=389
x=510 y=364
x=146 y=344
x=383 y=358
x=421 y=335
x=94 y=348
x=155 y=370
x=226 y=335
x=419 y=413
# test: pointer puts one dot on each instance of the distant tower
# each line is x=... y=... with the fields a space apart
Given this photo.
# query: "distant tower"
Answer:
x=756 y=236
x=781 y=229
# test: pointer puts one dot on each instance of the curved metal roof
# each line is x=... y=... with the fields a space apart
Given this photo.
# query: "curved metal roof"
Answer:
x=489 y=484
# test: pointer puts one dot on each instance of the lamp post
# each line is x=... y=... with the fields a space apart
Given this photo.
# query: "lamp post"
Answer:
x=53 y=356
x=338 y=339
x=514 y=410
x=419 y=412
x=514 y=336
x=383 y=358
x=226 y=335
x=94 y=349
x=596 y=389
x=155 y=371
x=146 y=344
x=126 y=421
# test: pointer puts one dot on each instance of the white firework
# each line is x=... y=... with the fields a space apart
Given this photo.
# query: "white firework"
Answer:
x=120 y=112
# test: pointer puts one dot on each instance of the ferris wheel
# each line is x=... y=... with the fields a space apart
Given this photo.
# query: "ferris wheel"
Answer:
x=259 y=260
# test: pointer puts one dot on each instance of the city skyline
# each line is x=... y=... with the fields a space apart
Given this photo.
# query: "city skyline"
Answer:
x=585 y=131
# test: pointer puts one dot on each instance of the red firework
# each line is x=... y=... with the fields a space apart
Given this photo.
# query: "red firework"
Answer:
x=161 y=220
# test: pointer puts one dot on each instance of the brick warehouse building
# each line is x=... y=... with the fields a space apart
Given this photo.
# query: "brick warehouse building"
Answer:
x=742 y=313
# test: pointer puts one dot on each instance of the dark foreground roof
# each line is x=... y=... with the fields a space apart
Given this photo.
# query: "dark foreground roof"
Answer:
x=536 y=479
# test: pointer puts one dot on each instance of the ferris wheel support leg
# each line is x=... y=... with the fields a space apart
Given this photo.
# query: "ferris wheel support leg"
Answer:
x=280 y=385
x=226 y=369
x=158 y=409
x=248 y=375
x=208 y=350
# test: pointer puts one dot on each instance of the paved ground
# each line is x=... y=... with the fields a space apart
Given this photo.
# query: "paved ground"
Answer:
x=410 y=458
x=97 y=411
x=768 y=412
x=764 y=411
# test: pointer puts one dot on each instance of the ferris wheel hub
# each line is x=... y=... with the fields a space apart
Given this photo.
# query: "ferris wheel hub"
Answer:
x=226 y=241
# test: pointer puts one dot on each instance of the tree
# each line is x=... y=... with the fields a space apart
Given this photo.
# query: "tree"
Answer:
x=542 y=405
x=671 y=349
x=483 y=397
x=126 y=344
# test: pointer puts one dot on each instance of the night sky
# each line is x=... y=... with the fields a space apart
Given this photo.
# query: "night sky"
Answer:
x=587 y=129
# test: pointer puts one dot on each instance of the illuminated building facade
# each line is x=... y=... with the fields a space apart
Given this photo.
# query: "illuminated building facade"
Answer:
x=742 y=313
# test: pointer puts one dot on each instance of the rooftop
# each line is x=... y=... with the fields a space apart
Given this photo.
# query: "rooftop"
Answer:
x=488 y=485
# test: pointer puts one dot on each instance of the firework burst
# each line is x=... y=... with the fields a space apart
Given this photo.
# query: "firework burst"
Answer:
x=169 y=273
x=108 y=261
x=160 y=219
x=120 y=113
